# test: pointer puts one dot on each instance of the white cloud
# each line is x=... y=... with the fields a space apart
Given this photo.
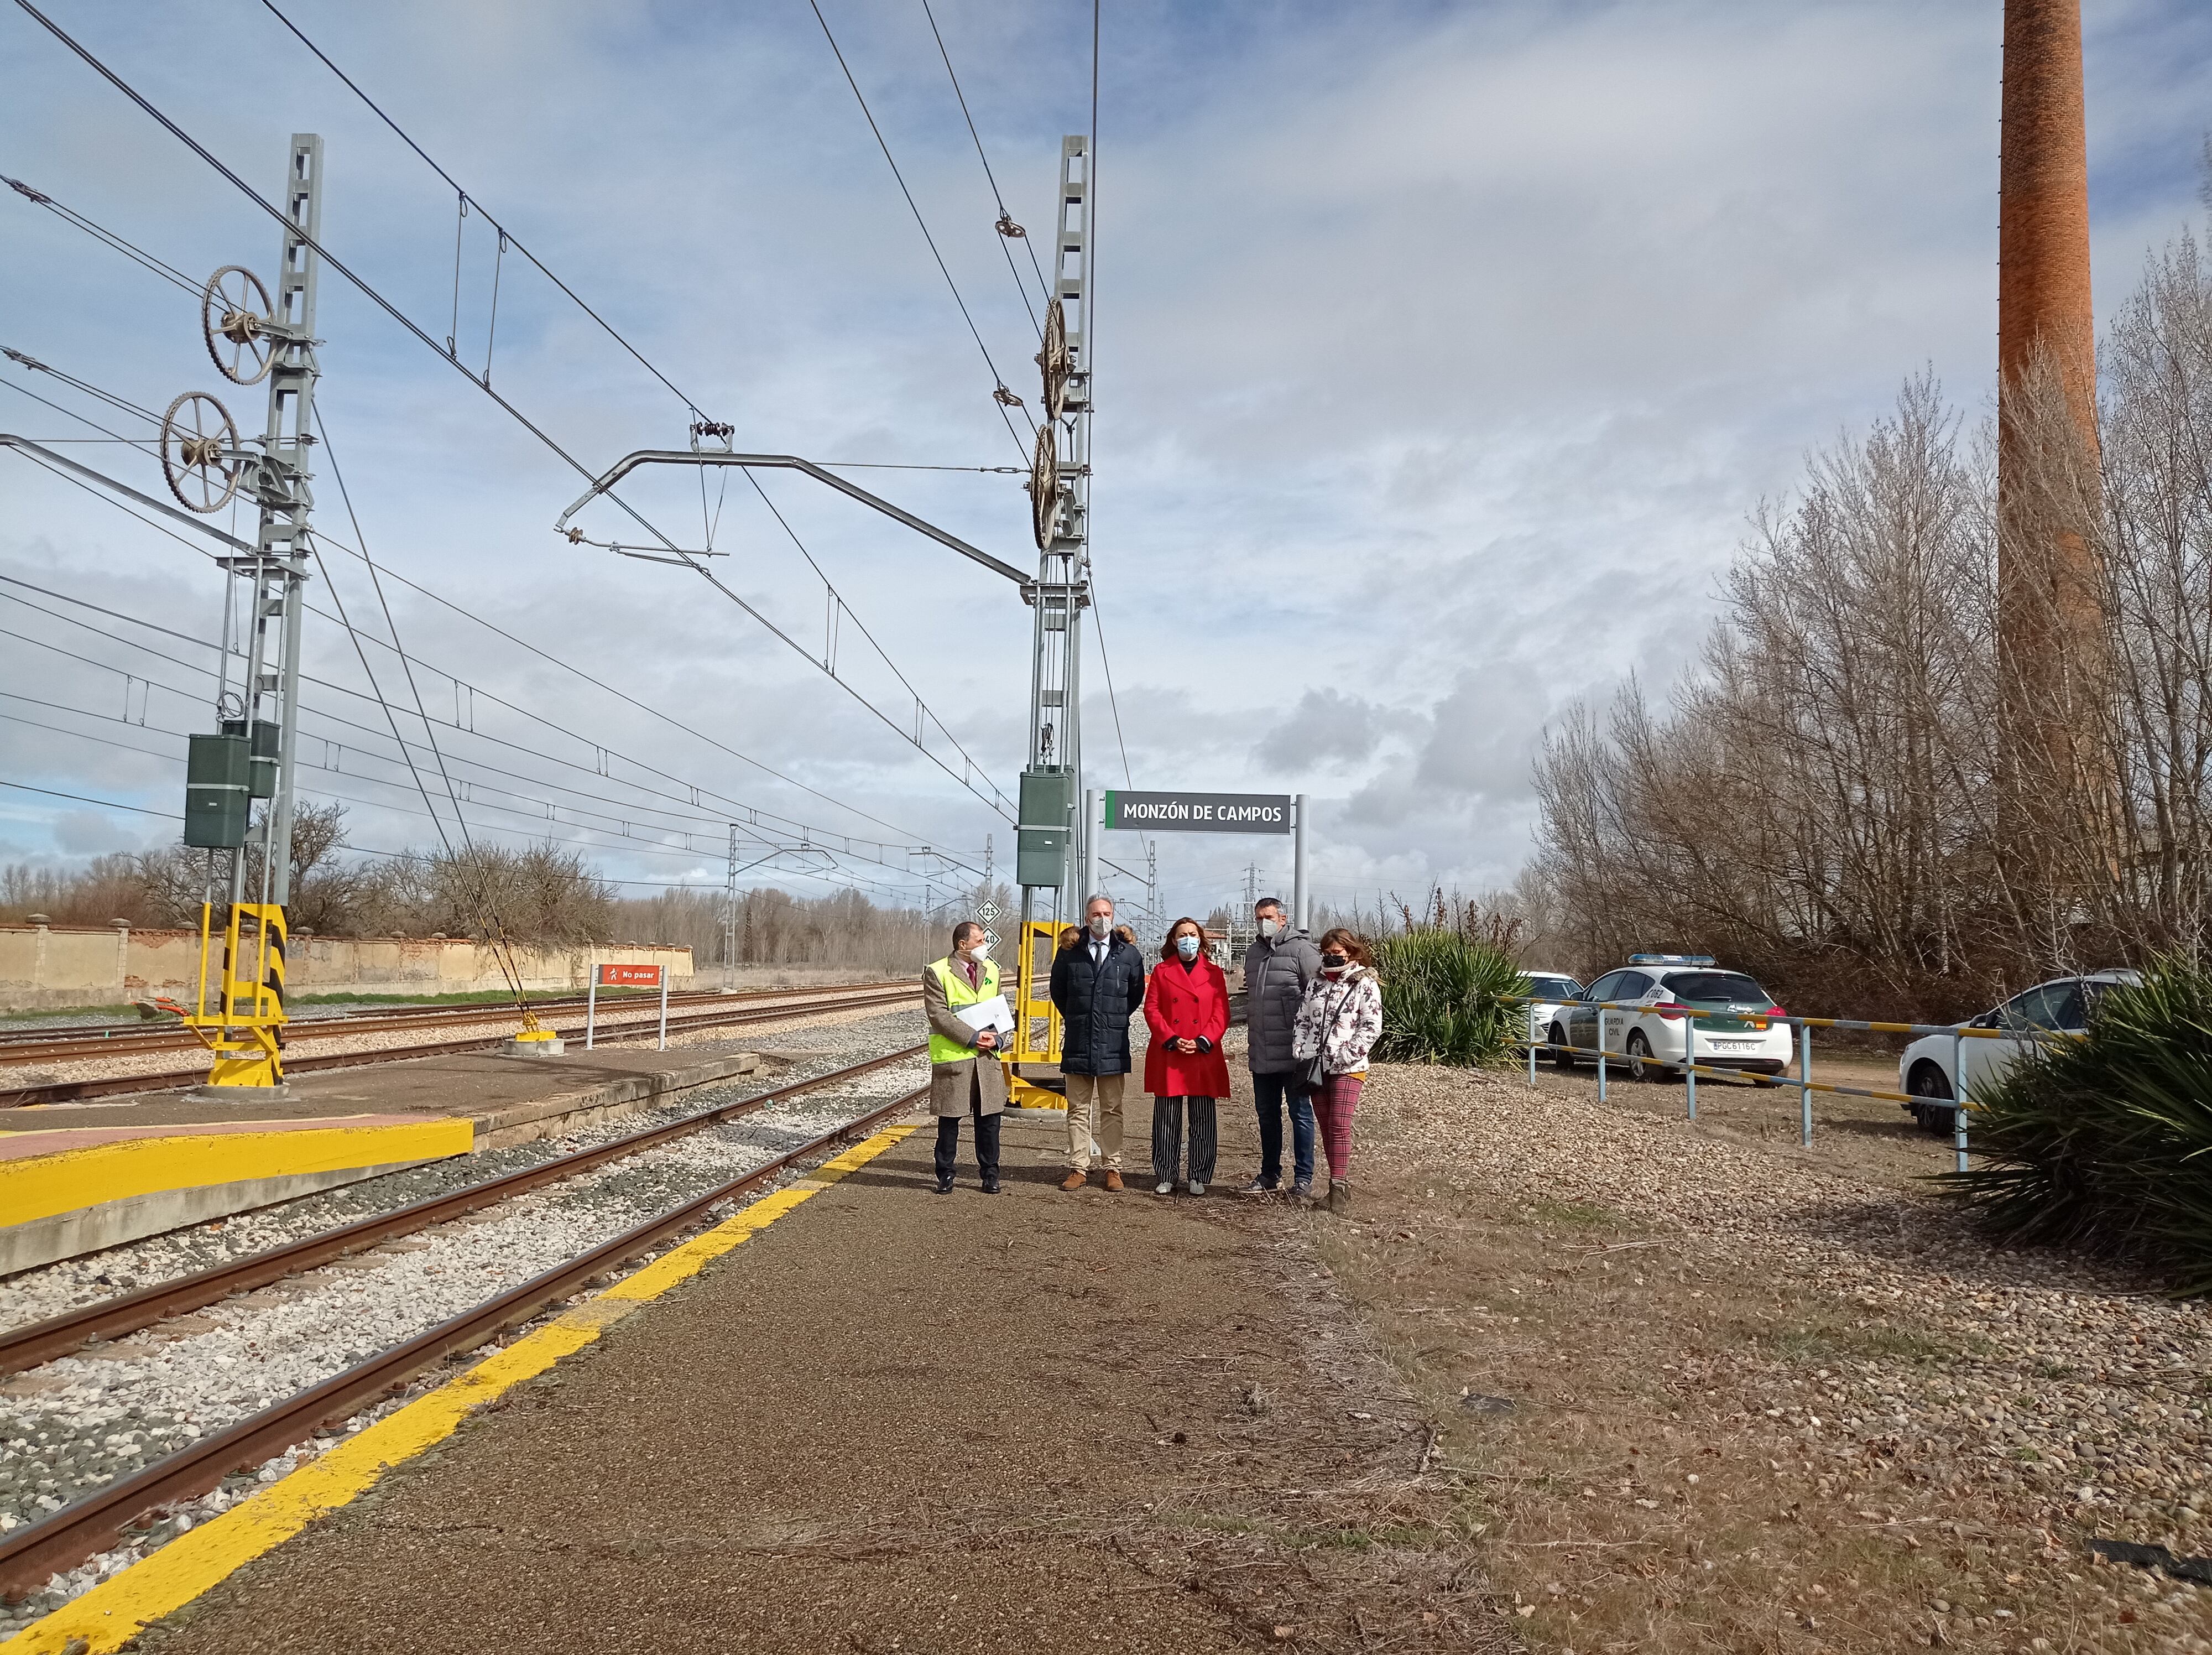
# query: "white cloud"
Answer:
x=1442 y=352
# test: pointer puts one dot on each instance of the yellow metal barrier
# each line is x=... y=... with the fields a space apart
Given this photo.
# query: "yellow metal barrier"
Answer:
x=244 y=1030
x=1037 y=1020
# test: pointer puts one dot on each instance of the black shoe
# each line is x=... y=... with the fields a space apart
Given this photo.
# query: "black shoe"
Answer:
x=944 y=1186
x=990 y=1186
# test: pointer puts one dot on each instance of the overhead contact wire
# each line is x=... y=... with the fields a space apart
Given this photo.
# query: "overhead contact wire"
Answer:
x=913 y=207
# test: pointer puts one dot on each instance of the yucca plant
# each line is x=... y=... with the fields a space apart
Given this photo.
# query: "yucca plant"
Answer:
x=2104 y=1143
x=1442 y=999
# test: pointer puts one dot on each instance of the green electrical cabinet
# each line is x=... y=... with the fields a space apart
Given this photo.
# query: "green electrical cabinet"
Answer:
x=1041 y=843
x=218 y=777
x=261 y=747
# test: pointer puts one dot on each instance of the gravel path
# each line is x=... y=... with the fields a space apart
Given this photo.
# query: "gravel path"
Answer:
x=78 y=1423
x=1824 y=1411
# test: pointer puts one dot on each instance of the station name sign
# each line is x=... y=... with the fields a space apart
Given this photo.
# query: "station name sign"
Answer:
x=1199 y=812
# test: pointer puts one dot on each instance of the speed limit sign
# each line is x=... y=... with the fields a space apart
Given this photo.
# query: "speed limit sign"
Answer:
x=987 y=912
x=990 y=936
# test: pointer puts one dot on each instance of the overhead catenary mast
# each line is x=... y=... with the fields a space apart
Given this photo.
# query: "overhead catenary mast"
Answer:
x=1051 y=838
x=253 y=756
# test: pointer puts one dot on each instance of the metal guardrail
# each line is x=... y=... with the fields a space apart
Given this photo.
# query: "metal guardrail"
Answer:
x=1959 y=1102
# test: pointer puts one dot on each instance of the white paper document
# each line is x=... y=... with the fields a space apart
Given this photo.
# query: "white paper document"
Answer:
x=993 y=1013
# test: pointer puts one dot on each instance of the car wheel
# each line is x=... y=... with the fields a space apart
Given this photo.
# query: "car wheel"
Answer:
x=1563 y=1058
x=1929 y=1081
x=1640 y=1063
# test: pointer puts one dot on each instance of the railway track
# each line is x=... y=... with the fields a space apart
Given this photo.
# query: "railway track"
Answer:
x=86 y=1527
x=121 y=1039
x=859 y=997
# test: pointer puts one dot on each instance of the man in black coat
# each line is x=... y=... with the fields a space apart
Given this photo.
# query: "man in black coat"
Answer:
x=1098 y=984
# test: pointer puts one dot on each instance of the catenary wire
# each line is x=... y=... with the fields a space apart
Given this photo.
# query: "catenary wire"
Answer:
x=1005 y=216
x=322 y=536
x=511 y=238
x=629 y=808
x=998 y=805
x=998 y=378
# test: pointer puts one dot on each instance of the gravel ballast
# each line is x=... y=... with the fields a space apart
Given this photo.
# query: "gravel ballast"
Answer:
x=78 y=1423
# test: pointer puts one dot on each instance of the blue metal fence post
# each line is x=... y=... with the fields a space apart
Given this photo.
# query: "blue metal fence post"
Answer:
x=1600 y=1054
x=1959 y=1099
x=1805 y=1086
x=1690 y=1057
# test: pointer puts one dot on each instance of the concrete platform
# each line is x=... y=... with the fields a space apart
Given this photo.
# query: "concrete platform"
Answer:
x=888 y=1420
x=75 y=1177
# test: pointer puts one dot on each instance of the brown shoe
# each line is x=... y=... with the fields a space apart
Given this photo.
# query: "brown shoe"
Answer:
x=1112 y=1180
x=1075 y=1181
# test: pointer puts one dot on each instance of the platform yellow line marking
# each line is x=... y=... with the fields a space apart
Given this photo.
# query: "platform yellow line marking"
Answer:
x=117 y=1609
x=87 y=1175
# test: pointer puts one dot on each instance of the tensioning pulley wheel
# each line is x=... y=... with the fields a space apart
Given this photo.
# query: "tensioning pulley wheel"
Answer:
x=1053 y=361
x=199 y=453
x=1044 y=484
x=235 y=320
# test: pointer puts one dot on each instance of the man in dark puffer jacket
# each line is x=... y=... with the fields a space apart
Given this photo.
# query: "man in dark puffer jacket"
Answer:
x=1278 y=967
x=1098 y=985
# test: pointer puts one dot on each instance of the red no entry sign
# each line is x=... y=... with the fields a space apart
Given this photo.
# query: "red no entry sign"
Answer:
x=629 y=976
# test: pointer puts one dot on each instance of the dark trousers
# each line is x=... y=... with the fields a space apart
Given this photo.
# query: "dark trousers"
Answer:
x=1269 y=1093
x=1167 y=1138
x=987 y=1143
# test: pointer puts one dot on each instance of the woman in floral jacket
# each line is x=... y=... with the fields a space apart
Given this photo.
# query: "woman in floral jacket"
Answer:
x=1338 y=1022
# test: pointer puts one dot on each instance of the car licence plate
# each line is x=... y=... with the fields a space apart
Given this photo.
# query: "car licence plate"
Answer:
x=1737 y=1045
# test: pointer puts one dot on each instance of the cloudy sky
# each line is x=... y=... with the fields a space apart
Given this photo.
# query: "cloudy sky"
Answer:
x=1441 y=351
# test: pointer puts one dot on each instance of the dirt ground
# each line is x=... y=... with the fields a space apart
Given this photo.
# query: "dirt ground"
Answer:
x=1715 y=1392
x=898 y=1421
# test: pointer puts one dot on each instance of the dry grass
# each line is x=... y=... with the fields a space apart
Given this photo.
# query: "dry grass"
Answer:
x=1705 y=1394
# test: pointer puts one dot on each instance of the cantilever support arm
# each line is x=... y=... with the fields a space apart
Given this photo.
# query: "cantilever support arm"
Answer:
x=49 y=457
x=630 y=463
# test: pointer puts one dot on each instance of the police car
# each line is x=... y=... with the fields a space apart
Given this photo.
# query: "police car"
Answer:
x=1736 y=1028
x=1547 y=993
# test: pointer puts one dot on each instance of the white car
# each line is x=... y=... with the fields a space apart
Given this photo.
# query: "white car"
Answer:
x=1737 y=1029
x=2056 y=1007
x=1547 y=991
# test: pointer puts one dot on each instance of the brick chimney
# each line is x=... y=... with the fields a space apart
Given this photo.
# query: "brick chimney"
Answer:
x=2051 y=635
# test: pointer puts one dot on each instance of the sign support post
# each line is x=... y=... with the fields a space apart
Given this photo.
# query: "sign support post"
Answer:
x=1089 y=845
x=592 y=1002
x=1301 y=914
x=663 y=1006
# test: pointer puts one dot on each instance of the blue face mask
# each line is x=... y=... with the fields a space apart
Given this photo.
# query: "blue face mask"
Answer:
x=1187 y=946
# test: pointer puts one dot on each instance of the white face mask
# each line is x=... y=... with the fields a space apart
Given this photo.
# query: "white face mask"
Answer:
x=1270 y=925
x=980 y=952
x=1187 y=946
x=1100 y=924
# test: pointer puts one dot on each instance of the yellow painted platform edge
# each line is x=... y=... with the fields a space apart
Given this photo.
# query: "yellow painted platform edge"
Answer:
x=118 y=1609
x=91 y=1175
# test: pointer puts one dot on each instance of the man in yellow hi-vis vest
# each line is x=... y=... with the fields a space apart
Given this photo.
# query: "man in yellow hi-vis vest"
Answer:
x=965 y=1074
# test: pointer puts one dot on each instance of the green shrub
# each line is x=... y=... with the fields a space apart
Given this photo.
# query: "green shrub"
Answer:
x=1440 y=1000
x=2104 y=1143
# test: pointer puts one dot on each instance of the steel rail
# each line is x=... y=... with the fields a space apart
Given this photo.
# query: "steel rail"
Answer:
x=28 y=1556
x=36 y=1342
x=59 y=1045
x=57 y=1091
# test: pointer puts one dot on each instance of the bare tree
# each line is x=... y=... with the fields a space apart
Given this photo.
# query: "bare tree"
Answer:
x=1858 y=794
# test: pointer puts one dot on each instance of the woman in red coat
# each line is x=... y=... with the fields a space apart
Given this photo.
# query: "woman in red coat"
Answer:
x=1187 y=1009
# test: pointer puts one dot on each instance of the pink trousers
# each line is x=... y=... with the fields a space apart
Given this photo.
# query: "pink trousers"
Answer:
x=1333 y=1105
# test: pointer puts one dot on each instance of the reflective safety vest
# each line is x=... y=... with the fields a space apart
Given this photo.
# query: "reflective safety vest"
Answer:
x=942 y=1048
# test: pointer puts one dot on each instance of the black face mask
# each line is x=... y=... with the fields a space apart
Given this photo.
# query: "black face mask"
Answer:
x=1334 y=961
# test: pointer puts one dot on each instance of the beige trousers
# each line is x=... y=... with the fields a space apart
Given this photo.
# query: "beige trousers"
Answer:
x=1093 y=1118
